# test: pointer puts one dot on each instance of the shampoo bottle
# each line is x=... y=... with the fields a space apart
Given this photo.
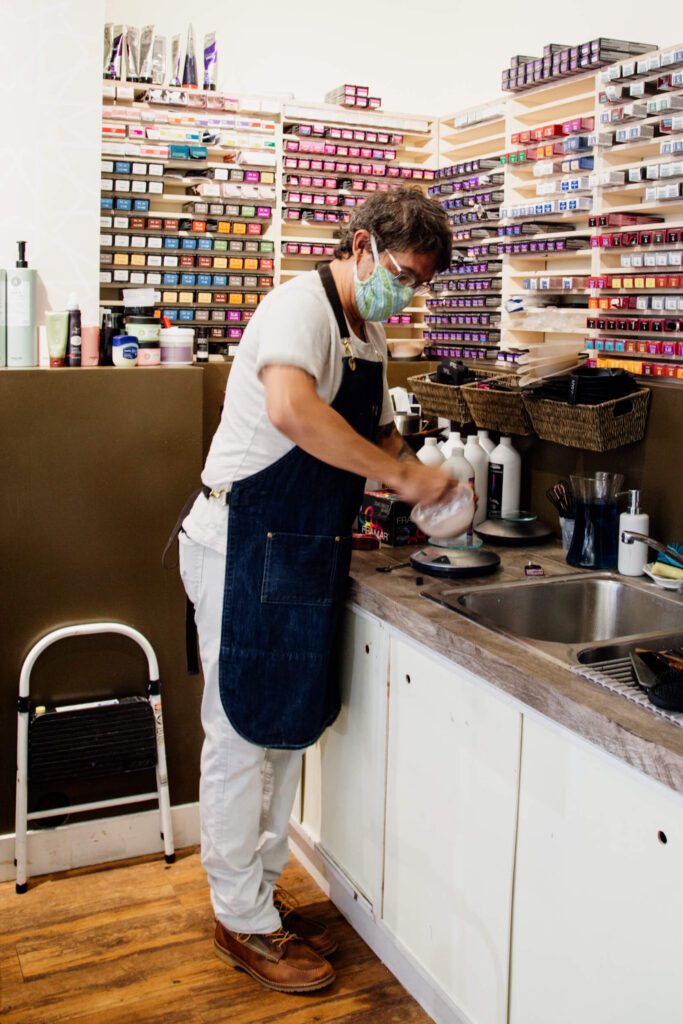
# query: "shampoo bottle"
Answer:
x=478 y=458
x=632 y=558
x=485 y=441
x=452 y=440
x=73 y=343
x=22 y=328
x=429 y=453
x=460 y=469
x=505 y=474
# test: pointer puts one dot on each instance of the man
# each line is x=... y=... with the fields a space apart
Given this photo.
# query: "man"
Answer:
x=265 y=551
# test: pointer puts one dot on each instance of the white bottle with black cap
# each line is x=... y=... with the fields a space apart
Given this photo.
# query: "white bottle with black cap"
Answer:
x=632 y=558
x=22 y=327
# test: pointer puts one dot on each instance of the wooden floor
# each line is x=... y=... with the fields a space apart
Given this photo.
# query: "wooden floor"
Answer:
x=132 y=942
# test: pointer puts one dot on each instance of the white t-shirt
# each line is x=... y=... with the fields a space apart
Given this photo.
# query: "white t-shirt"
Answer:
x=293 y=326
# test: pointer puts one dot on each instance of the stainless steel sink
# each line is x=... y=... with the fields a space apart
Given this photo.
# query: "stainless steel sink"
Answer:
x=566 y=616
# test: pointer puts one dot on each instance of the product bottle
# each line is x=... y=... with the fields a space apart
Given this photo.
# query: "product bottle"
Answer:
x=22 y=328
x=478 y=458
x=632 y=558
x=73 y=342
x=505 y=474
x=429 y=453
x=452 y=440
x=460 y=469
x=112 y=324
x=202 y=344
x=485 y=441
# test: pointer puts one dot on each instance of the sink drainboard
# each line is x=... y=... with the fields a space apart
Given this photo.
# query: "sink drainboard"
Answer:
x=617 y=675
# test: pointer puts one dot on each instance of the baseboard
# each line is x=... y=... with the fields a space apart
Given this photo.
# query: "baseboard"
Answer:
x=360 y=914
x=99 y=841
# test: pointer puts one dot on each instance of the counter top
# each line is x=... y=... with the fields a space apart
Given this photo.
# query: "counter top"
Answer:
x=618 y=726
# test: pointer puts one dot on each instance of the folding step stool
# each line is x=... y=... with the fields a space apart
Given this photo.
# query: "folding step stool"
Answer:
x=89 y=740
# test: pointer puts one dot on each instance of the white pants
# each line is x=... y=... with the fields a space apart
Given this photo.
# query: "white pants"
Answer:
x=246 y=792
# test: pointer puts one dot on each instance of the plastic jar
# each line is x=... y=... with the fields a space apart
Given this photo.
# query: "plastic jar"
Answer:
x=144 y=328
x=177 y=346
x=149 y=353
x=124 y=350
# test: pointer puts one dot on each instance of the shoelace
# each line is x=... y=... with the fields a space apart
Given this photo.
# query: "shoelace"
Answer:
x=279 y=938
x=284 y=902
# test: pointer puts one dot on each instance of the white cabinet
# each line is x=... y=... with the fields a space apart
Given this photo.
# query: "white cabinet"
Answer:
x=344 y=772
x=598 y=904
x=452 y=785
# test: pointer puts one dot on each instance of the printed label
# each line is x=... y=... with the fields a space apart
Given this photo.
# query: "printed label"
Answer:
x=18 y=302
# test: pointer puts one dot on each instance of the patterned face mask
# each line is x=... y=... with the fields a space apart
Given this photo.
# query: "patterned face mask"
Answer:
x=381 y=296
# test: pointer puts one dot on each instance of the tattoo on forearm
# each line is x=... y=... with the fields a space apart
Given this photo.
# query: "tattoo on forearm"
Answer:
x=389 y=431
x=406 y=453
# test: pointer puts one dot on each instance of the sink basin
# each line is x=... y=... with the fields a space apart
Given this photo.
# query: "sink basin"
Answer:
x=559 y=615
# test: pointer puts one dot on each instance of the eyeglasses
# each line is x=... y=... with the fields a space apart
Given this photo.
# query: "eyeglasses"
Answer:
x=407 y=277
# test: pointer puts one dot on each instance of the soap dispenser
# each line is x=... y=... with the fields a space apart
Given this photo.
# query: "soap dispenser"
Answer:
x=22 y=329
x=632 y=558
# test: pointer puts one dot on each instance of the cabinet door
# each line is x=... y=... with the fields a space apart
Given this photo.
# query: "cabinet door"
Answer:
x=452 y=783
x=598 y=905
x=344 y=773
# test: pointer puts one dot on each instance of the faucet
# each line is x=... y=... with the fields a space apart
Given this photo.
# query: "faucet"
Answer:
x=628 y=537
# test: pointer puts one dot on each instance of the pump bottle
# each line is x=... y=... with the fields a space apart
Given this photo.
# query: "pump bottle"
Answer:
x=632 y=558
x=22 y=328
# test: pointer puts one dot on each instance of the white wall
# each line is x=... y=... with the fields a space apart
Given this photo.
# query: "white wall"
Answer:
x=433 y=57
x=50 y=84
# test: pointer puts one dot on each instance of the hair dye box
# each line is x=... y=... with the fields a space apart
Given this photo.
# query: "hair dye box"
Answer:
x=383 y=514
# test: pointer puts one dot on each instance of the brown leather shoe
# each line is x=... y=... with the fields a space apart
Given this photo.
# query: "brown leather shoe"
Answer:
x=278 y=960
x=314 y=933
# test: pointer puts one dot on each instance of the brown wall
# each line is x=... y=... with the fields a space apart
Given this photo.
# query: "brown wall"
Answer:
x=94 y=467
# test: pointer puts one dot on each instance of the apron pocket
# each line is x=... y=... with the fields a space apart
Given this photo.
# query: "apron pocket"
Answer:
x=302 y=568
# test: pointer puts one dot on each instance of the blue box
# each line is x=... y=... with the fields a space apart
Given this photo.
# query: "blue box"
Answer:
x=107 y=203
x=188 y=243
x=186 y=314
x=178 y=153
x=171 y=243
x=220 y=280
x=199 y=152
x=141 y=204
x=172 y=314
x=124 y=204
x=205 y=243
x=122 y=167
x=187 y=279
x=204 y=280
x=170 y=279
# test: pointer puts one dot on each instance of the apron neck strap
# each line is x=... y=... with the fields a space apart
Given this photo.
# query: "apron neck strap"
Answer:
x=333 y=298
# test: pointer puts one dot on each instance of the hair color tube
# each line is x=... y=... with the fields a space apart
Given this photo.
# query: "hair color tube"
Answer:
x=190 y=66
x=159 y=60
x=113 y=68
x=175 y=61
x=107 y=45
x=132 y=49
x=210 y=59
x=146 y=40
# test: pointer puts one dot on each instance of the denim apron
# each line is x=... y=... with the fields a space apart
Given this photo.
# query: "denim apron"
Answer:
x=288 y=557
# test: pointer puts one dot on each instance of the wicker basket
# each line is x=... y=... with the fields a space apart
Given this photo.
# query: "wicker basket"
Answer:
x=501 y=409
x=597 y=428
x=442 y=399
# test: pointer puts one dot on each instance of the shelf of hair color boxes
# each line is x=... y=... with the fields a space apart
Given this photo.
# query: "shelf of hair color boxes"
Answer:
x=327 y=166
x=153 y=148
x=639 y=291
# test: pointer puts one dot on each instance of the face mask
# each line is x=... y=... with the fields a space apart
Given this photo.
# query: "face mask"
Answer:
x=381 y=296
